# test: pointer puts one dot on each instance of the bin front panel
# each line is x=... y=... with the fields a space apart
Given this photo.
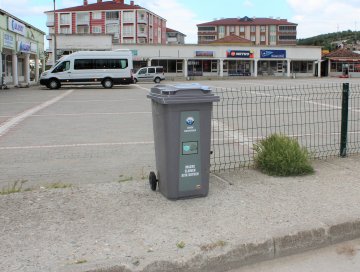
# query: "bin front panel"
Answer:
x=190 y=176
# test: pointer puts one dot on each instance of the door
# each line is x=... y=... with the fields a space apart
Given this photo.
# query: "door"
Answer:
x=142 y=74
x=62 y=71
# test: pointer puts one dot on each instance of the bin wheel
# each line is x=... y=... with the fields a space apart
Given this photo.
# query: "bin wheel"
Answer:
x=153 y=181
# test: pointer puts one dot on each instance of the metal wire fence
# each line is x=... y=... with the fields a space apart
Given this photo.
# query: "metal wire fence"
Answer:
x=310 y=113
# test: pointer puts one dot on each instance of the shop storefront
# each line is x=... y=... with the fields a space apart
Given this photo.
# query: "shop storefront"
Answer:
x=22 y=51
x=219 y=61
x=343 y=63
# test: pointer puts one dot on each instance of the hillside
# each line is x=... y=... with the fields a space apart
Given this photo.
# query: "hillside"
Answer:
x=328 y=41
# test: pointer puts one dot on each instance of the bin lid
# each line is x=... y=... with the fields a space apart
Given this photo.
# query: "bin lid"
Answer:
x=182 y=94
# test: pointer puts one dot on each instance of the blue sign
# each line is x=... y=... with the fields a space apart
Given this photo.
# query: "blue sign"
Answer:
x=273 y=54
x=190 y=121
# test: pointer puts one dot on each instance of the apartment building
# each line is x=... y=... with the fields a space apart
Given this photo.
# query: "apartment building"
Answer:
x=101 y=26
x=261 y=31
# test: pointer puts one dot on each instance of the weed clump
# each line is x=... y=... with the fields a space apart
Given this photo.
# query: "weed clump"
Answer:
x=279 y=155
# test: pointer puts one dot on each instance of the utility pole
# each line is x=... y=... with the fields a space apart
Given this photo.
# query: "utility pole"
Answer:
x=55 y=49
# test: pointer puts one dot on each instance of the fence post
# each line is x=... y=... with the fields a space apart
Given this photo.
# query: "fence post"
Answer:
x=344 y=119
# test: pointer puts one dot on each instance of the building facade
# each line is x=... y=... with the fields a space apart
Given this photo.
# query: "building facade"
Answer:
x=261 y=31
x=174 y=36
x=107 y=23
x=341 y=63
x=229 y=61
x=21 y=50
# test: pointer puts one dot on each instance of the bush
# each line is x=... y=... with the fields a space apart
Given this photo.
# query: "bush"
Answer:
x=279 y=155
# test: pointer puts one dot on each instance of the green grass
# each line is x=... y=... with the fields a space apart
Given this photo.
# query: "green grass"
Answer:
x=279 y=155
x=58 y=185
x=180 y=244
x=15 y=187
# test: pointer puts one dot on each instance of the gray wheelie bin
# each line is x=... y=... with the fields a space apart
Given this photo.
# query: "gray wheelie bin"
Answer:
x=182 y=134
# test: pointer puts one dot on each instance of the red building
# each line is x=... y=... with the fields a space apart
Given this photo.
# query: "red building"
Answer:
x=260 y=31
x=125 y=23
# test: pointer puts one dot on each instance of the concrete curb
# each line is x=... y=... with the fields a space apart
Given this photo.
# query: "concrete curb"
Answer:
x=245 y=254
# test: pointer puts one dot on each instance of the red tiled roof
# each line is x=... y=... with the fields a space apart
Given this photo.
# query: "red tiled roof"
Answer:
x=172 y=30
x=106 y=5
x=232 y=39
x=247 y=21
x=342 y=53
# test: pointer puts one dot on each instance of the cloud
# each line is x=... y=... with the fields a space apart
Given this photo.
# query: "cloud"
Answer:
x=178 y=16
x=248 y=4
x=324 y=16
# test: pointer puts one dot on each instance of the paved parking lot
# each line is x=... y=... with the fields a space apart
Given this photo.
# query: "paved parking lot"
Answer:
x=90 y=135
x=86 y=134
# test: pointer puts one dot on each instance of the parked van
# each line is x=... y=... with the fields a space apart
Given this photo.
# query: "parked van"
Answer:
x=90 y=67
x=152 y=73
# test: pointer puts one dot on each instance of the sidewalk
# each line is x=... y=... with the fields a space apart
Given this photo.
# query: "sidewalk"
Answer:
x=247 y=217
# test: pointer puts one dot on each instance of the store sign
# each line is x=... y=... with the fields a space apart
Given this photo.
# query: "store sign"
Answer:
x=16 y=27
x=273 y=54
x=24 y=47
x=9 y=41
x=204 y=53
x=247 y=54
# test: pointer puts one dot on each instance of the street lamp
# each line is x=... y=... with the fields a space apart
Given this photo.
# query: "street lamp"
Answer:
x=54 y=50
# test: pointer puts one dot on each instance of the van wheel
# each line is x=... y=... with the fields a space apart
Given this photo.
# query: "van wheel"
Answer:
x=157 y=80
x=135 y=80
x=107 y=83
x=54 y=84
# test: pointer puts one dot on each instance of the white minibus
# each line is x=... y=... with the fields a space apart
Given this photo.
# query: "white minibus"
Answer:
x=90 y=67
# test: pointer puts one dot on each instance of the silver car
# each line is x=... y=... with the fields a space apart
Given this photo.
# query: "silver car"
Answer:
x=151 y=73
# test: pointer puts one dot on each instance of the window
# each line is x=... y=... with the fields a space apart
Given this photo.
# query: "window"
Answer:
x=272 y=28
x=64 y=30
x=206 y=28
x=96 y=15
x=287 y=28
x=272 y=38
x=151 y=70
x=142 y=71
x=262 y=28
x=82 y=18
x=287 y=37
x=84 y=64
x=65 y=19
x=62 y=67
x=253 y=29
x=112 y=15
x=242 y=29
x=128 y=30
x=82 y=29
x=221 y=32
x=232 y=29
x=128 y=16
x=262 y=38
x=253 y=38
x=96 y=29
x=112 y=28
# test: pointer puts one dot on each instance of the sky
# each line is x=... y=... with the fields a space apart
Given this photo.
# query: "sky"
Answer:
x=313 y=17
